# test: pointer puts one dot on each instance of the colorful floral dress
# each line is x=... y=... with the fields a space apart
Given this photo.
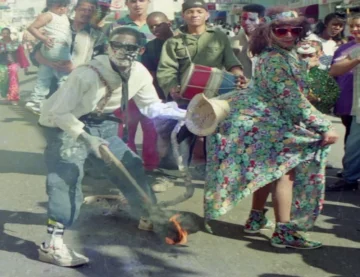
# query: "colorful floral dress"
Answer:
x=271 y=129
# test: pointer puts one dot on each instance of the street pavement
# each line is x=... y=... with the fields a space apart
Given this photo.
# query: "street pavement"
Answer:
x=117 y=248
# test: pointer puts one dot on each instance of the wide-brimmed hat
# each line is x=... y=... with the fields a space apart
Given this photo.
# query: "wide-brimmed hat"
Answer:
x=306 y=49
x=203 y=114
x=312 y=37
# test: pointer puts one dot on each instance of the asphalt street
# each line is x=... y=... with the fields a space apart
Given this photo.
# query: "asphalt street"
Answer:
x=117 y=248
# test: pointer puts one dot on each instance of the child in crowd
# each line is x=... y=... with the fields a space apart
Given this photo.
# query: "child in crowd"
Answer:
x=57 y=40
x=325 y=91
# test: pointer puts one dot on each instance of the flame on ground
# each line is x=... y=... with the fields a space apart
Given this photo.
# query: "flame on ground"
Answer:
x=181 y=234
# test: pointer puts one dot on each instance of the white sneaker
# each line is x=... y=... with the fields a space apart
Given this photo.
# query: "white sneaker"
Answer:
x=35 y=109
x=145 y=224
x=162 y=184
x=63 y=256
x=29 y=104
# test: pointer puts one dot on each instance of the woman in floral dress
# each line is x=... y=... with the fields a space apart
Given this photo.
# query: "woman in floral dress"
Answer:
x=274 y=137
x=12 y=55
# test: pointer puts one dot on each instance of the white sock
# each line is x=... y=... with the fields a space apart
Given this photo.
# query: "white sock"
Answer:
x=55 y=236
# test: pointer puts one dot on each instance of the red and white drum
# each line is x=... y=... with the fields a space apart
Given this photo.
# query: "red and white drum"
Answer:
x=208 y=80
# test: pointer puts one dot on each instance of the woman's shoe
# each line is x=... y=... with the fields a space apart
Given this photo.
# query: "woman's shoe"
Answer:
x=257 y=221
x=287 y=236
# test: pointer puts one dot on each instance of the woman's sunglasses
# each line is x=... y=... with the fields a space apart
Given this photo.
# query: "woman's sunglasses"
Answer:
x=127 y=47
x=281 y=32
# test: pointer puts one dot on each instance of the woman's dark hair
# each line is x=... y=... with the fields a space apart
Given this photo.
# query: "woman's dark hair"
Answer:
x=140 y=37
x=92 y=2
x=260 y=39
x=61 y=3
x=255 y=8
x=50 y=3
x=321 y=26
x=6 y=29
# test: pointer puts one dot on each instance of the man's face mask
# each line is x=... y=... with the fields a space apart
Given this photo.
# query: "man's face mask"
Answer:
x=123 y=54
x=249 y=21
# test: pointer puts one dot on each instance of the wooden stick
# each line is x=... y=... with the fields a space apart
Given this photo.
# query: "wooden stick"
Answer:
x=110 y=158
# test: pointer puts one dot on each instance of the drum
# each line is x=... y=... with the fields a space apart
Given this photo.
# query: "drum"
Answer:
x=208 y=80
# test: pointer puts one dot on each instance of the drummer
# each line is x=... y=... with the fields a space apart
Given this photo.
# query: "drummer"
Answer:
x=195 y=43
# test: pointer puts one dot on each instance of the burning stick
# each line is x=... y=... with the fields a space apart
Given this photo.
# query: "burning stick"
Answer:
x=155 y=211
x=180 y=234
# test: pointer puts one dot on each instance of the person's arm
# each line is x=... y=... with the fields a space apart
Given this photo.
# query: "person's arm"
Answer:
x=343 y=66
x=70 y=95
x=231 y=62
x=289 y=98
x=167 y=72
x=41 y=21
x=234 y=42
x=147 y=59
x=100 y=44
x=150 y=105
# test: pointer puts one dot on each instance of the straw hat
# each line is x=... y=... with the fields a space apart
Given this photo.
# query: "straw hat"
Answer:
x=203 y=114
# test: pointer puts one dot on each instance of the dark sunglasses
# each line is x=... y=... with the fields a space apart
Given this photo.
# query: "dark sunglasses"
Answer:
x=281 y=32
x=127 y=47
x=304 y=56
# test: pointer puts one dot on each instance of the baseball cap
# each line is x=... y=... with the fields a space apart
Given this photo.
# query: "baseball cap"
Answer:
x=189 y=4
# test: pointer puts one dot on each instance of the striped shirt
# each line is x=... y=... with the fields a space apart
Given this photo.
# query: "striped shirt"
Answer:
x=127 y=21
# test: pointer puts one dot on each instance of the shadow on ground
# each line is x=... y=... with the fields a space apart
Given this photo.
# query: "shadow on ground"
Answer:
x=8 y=240
x=22 y=163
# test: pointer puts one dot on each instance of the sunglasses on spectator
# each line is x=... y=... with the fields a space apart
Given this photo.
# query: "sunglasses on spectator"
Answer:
x=281 y=32
x=304 y=56
x=128 y=47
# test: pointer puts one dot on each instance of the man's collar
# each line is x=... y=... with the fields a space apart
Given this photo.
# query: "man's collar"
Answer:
x=126 y=20
x=87 y=27
x=183 y=29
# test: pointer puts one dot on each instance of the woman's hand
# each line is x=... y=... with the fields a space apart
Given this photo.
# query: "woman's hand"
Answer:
x=242 y=82
x=330 y=137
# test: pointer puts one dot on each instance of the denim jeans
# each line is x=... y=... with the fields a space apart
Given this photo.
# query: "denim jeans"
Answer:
x=43 y=82
x=351 y=159
x=65 y=158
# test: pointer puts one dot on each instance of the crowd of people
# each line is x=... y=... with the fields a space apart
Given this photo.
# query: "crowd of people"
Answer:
x=96 y=84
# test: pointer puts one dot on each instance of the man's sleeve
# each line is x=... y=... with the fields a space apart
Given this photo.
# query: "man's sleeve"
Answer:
x=32 y=55
x=70 y=96
x=150 y=104
x=167 y=73
x=146 y=94
x=147 y=59
x=99 y=45
x=234 y=42
x=230 y=60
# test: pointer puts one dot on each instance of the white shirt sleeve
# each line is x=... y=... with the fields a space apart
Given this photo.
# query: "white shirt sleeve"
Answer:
x=59 y=110
x=163 y=110
x=149 y=103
